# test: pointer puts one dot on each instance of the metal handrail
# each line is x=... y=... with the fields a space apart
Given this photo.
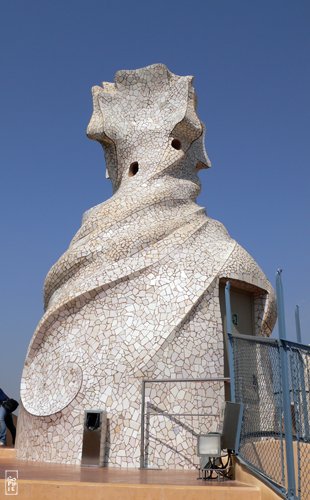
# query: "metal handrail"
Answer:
x=269 y=340
x=171 y=380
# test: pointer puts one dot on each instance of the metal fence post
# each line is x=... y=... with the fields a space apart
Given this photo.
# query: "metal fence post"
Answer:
x=285 y=391
x=229 y=343
x=302 y=375
x=297 y=321
x=142 y=460
x=304 y=406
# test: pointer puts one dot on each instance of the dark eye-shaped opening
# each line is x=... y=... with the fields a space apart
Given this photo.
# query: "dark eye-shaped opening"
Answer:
x=133 y=169
x=176 y=144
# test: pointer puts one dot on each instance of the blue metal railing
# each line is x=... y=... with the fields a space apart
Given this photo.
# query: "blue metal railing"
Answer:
x=272 y=378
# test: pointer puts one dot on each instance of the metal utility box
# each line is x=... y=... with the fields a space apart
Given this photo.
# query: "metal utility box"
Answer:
x=232 y=426
x=94 y=438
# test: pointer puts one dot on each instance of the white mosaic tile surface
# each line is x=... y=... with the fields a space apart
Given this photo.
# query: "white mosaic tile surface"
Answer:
x=136 y=295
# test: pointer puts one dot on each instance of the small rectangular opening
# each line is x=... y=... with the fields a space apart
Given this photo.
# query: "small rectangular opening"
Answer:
x=94 y=435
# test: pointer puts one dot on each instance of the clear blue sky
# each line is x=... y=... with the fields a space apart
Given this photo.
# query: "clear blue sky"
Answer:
x=250 y=60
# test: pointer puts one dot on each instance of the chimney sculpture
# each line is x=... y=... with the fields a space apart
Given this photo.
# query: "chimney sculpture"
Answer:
x=137 y=294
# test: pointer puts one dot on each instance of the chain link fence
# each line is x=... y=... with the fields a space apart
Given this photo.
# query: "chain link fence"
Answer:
x=299 y=364
x=259 y=386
